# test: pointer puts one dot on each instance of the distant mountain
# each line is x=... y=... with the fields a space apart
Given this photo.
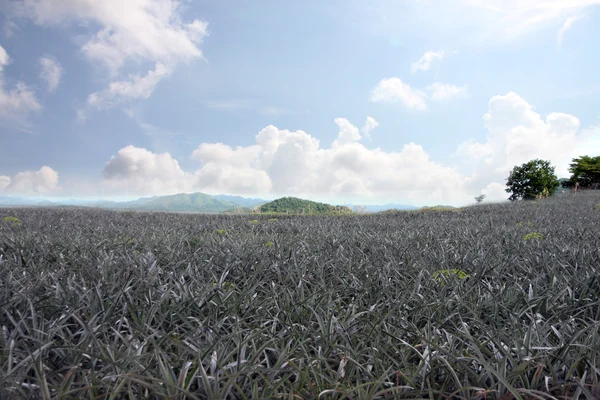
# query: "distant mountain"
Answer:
x=200 y=202
x=294 y=205
x=24 y=201
x=134 y=204
x=195 y=202
x=241 y=201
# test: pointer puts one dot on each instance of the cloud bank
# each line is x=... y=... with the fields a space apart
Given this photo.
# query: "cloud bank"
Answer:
x=281 y=162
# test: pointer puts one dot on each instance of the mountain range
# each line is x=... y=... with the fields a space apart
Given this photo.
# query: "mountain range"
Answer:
x=183 y=202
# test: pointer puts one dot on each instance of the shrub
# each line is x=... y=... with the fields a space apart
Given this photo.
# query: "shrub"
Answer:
x=445 y=274
x=194 y=241
x=533 y=235
x=228 y=286
x=12 y=220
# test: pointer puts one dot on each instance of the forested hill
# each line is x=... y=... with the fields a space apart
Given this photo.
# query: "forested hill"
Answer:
x=294 y=205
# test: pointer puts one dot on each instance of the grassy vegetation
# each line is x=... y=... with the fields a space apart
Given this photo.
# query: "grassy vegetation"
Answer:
x=438 y=208
x=448 y=305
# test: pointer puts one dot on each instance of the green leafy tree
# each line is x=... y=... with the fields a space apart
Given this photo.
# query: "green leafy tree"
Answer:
x=531 y=180
x=586 y=171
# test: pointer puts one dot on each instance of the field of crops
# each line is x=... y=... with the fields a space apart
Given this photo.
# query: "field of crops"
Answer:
x=492 y=301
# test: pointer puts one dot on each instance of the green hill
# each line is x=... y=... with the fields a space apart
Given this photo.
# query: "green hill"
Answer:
x=294 y=205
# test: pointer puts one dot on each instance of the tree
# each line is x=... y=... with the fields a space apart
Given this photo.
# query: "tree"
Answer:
x=479 y=198
x=532 y=180
x=585 y=170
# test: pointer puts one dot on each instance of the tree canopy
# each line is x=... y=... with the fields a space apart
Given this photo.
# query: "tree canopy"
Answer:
x=294 y=205
x=585 y=170
x=531 y=180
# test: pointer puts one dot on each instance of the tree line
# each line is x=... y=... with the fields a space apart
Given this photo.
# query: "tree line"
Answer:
x=536 y=179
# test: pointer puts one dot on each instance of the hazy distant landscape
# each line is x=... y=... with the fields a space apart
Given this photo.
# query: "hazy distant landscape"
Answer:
x=194 y=202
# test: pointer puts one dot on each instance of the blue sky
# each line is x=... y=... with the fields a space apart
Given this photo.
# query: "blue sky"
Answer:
x=415 y=101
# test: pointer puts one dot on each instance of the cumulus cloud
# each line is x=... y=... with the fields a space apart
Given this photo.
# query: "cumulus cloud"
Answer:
x=348 y=132
x=51 y=72
x=424 y=63
x=137 y=87
x=43 y=181
x=393 y=90
x=444 y=91
x=369 y=125
x=517 y=134
x=4 y=182
x=143 y=172
x=227 y=178
x=141 y=32
x=282 y=162
x=18 y=102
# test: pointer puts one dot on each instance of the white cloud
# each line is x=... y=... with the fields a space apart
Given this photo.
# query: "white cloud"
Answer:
x=18 y=102
x=141 y=29
x=393 y=90
x=424 y=63
x=141 y=32
x=214 y=178
x=218 y=153
x=51 y=72
x=370 y=124
x=137 y=87
x=230 y=170
x=444 y=91
x=517 y=134
x=348 y=133
x=4 y=182
x=4 y=59
x=142 y=172
x=566 y=26
x=43 y=181
x=282 y=162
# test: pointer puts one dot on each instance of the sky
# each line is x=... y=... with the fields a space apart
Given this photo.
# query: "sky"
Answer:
x=417 y=102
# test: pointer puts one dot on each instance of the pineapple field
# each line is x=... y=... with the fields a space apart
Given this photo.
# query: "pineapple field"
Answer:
x=496 y=301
